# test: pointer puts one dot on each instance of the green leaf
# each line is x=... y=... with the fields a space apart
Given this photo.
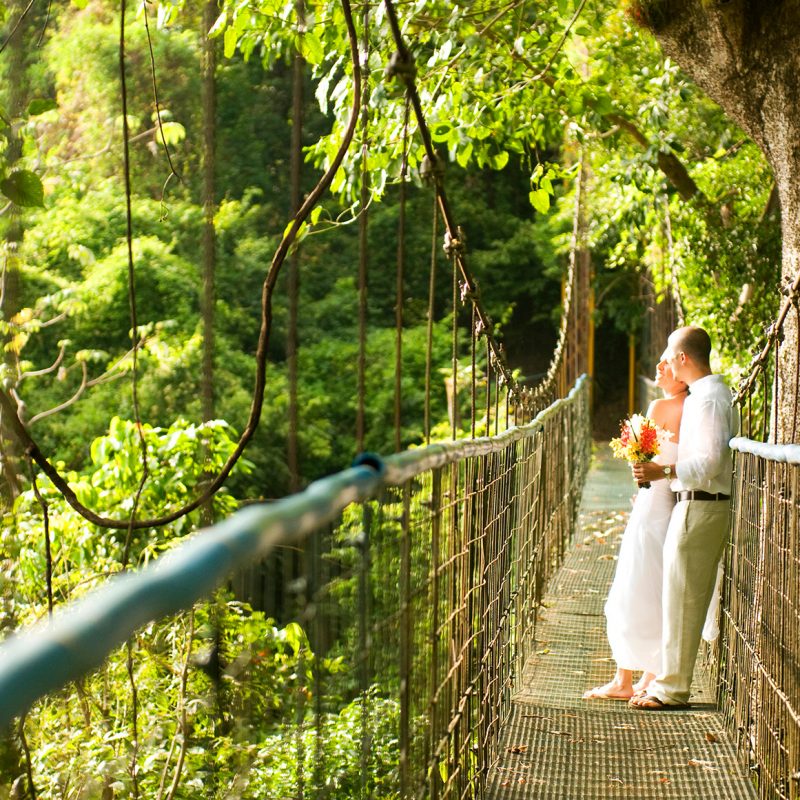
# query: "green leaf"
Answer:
x=222 y=21
x=40 y=105
x=311 y=48
x=295 y=636
x=174 y=132
x=499 y=160
x=540 y=200
x=24 y=188
x=464 y=154
x=230 y=38
x=441 y=131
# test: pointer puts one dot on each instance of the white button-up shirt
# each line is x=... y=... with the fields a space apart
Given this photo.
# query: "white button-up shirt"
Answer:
x=704 y=460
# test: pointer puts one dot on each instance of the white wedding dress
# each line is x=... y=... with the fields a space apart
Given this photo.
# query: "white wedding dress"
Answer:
x=633 y=608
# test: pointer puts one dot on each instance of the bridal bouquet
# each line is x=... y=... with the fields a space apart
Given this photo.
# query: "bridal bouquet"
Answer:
x=640 y=440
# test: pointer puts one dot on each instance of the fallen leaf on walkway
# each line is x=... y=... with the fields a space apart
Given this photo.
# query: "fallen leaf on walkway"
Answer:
x=710 y=737
x=607 y=557
x=543 y=652
x=522 y=780
x=517 y=748
x=696 y=762
x=625 y=727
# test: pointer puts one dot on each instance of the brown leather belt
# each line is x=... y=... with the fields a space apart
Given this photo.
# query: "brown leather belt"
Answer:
x=695 y=495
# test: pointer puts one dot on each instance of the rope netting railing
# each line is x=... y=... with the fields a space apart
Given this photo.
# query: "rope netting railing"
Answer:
x=756 y=659
x=413 y=615
x=758 y=662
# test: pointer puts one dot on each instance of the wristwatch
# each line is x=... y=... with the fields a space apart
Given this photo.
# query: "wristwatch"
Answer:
x=668 y=470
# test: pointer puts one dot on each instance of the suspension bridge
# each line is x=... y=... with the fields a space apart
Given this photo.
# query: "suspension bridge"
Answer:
x=462 y=583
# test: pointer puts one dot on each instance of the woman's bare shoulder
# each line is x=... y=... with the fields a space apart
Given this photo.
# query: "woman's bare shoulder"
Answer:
x=666 y=413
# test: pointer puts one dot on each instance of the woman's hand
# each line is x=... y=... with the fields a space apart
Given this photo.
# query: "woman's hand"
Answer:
x=647 y=471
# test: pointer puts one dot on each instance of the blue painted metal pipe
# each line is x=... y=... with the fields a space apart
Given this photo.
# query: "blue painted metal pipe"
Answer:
x=46 y=656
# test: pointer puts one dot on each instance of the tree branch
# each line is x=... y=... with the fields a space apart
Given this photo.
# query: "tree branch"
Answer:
x=35 y=373
x=66 y=404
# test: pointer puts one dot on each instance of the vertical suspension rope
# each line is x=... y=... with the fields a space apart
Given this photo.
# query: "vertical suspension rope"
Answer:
x=363 y=229
x=364 y=549
x=497 y=403
x=294 y=262
x=401 y=257
x=364 y=641
x=208 y=299
x=508 y=407
x=796 y=305
x=406 y=643
x=134 y=388
x=429 y=338
x=774 y=415
x=48 y=555
x=135 y=342
x=488 y=389
x=454 y=392
x=474 y=386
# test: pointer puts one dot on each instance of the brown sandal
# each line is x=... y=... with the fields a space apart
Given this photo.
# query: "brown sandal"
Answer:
x=649 y=702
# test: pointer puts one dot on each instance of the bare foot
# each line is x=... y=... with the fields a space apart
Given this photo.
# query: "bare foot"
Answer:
x=643 y=682
x=613 y=690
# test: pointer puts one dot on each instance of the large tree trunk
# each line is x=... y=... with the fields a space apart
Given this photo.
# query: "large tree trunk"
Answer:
x=744 y=54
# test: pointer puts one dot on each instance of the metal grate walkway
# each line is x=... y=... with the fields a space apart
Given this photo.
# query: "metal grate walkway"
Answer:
x=559 y=747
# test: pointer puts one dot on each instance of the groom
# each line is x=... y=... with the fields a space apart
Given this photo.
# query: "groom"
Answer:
x=701 y=481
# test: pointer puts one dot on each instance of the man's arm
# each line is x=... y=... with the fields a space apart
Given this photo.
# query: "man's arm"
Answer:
x=713 y=431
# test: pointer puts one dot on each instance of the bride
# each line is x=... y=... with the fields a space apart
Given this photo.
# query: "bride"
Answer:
x=633 y=608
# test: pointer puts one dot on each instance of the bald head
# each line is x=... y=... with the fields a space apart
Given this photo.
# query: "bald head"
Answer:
x=695 y=343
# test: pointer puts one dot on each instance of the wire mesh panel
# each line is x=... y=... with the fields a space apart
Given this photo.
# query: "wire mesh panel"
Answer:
x=475 y=541
x=758 y=661
x=405 y=621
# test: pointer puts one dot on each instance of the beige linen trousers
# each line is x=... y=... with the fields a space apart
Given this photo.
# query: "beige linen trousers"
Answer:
x=693 y=546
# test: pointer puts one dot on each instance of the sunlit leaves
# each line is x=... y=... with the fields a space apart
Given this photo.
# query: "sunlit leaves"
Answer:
x=173 y=132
